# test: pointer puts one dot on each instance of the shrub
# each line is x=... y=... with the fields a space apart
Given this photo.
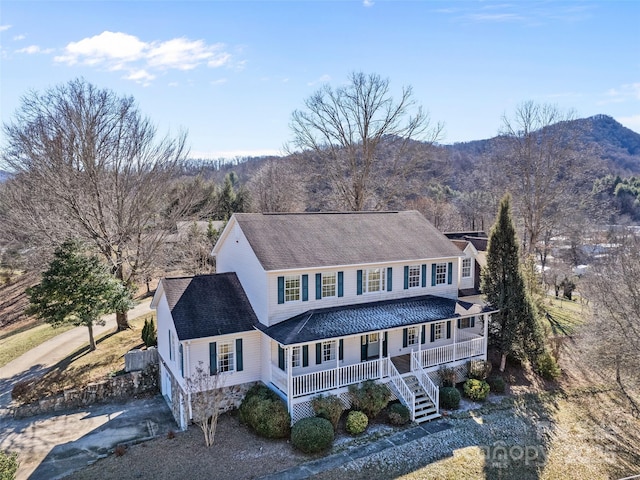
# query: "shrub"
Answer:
x=476 y=389
x=447 y=376
x=120 y=450
x=399 y=414
x=312 y=435
x=149 y=334
x=479 y=369
x=8 y=465
x=496 y=384
x=263 y=411
x=329 y=408
x=547 y=367
x=449 y=398
x=369 y=397
x=356 y=422
x=21 y=390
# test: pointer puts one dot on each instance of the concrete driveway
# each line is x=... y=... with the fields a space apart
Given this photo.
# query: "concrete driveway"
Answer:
x=53 y=446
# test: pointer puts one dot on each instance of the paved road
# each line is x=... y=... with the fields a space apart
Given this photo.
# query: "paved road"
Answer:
x=54 y=445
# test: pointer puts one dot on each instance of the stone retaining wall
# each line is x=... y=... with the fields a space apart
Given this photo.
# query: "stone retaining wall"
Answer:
x=121 y=387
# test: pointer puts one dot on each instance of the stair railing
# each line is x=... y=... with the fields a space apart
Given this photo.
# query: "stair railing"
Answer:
x=402 y=388
x=430 y=388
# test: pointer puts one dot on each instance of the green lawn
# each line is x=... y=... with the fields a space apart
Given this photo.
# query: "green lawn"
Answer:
x=17 y=342
x=565 y=315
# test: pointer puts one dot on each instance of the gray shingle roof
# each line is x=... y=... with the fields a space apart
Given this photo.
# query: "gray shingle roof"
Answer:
x=304 y=240
x=335 y=322
x=208 y=305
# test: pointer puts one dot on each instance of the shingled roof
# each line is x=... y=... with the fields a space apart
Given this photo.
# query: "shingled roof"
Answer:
x=208 y=305
x=304 y=240
x=335 y=322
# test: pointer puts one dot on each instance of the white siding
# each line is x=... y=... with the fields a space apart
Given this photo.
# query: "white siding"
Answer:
x=280 y=312
x=166 y=328
x=467 y=282
x=236 y=255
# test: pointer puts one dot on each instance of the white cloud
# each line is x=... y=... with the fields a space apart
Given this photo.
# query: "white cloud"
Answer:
x=632 y=122
x=4 y=27
x=117 y=51
x=33 y=49
x=220 y=81
x=323 y=79
x=367 y=3
x=17 y=38
x=624 y=93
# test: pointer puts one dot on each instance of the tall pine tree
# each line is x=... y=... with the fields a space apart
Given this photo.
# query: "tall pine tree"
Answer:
x=515 y=328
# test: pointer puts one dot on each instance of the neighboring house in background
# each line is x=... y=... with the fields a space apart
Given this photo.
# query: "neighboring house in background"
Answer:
x=311 y=303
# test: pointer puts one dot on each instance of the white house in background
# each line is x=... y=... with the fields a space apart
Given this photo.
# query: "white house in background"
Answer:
x=310 y=303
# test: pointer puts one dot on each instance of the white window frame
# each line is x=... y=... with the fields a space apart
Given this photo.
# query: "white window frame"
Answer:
x=438 y=331
x=296 y=356
x=441 y=273
x=292 y=293
x=329 y=285
x=172 y=356
x=466 y=269
x=367 y=281
x=226 y=353
x=329 y=351
x=465 y=322
x=413 y=336
x=415 y=276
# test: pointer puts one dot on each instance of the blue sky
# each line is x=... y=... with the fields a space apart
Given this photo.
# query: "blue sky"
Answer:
x=231 y=72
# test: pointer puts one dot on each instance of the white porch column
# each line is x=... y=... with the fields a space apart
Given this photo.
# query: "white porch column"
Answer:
x=381 y=351
x=454 y=327
x=485 y=318
x=288 y=354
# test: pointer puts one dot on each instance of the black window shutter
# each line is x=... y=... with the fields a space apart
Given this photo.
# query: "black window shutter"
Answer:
x=318 y=286
x=318 y=353
x=433 y=332
x=405 y=338
x=472 y=322
x=213 y=358
x=181 y=361
x=363 y=348
x=449 y=329
x=424 y=275
x=406 y=277
x=433 y=275
x=384 y=345
x=423 y=334
x=341 y=349
x=305 y=355
x=305 y=288
x=340 y=284
x=459 y=321
x=450 y=273
x=239 y=363
x=280 y=357
x=280 y=289
x=359 y=292
x=389 y=279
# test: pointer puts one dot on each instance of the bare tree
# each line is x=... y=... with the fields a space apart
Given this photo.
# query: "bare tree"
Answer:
x=612 y=337
x=206 y=395
x=535 y=163
x=98 y=170
x=349 y=126
x=276 y=187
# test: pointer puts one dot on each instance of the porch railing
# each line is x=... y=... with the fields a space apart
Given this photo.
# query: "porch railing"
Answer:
x=431 y=389
x=451 y=353
x=316 y=382
x=402 y=388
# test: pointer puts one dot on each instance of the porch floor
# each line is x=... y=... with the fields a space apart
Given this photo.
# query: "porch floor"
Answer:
x=402 y=363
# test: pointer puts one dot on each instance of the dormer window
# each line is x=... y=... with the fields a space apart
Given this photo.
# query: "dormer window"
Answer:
x=466 y=267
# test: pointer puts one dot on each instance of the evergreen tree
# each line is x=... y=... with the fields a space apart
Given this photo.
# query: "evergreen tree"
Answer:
x=515 y=328
x=77 y=289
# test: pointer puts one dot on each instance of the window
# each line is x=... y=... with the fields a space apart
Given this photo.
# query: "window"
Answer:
x=328 y=351
x=441 y=273
x=292 y=288
x=466 y=267
x=181 y=360
x=226 y=361
x=328 y=285
x=296 y=356
x=465 y=322
x=437 y=331
x=373 y=280
x=412 y=336
x=171 y=354
x=414 y=276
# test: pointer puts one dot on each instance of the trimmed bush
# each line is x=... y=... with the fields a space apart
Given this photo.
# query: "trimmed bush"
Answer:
x=8 y=465
x=369 y=397
x=449 y=398
x=356 y=422
x=497 y=384
x=479 y=369
x=447 y=376
x=547 y=367
x=399 y=414
x=476 y=389
x=263 y=411
x=312 y=435
x=329 y=408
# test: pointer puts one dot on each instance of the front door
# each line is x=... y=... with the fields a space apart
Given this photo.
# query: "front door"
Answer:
x=370 y=347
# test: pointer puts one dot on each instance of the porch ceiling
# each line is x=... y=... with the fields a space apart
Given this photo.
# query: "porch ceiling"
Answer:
x=368 y=317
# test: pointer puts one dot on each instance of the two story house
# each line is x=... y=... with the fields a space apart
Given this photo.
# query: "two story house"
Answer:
x=310 y=303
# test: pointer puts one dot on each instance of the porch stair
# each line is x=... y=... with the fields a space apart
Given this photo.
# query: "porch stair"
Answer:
x=425 y=409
